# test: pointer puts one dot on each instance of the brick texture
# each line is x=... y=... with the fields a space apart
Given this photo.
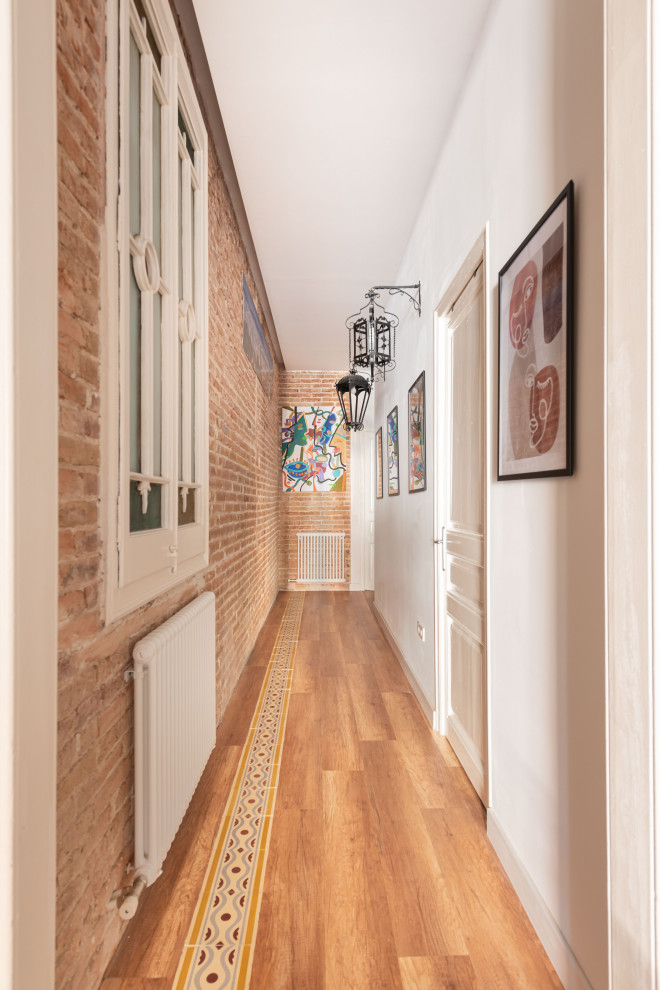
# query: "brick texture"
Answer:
x=95 y=736
x=303 y=512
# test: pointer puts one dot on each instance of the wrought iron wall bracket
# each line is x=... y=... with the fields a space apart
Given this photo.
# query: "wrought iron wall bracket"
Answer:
x=401 y=290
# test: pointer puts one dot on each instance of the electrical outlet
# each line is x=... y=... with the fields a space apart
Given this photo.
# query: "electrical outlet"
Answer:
x=420 y=631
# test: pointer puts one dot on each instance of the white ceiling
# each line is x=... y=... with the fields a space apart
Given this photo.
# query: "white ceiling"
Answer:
x=335 y=114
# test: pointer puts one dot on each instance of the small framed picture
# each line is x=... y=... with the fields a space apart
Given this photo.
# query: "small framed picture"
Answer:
x=535 y=406
x=393 y=452
x=379 y=462
x=417 y=436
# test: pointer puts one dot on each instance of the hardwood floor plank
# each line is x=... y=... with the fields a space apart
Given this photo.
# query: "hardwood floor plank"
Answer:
x=387 y=669
x=424 y=916
x=448 y=753
x=434 y=781
x=306 y=669
x=503 y=946
x=300 y=772
x=310 y=628
x=340 y=746
x=371 y=716
x=459 y=840
x=356 y=920
x=330 y=656
x=290 y=939
x=390 y=787
x=437 y=973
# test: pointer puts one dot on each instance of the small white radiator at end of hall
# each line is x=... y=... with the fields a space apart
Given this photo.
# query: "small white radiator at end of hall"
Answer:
x=321 y=558
x=175 y=724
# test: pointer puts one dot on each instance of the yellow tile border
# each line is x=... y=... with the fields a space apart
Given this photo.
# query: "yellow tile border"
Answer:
x=220 y=943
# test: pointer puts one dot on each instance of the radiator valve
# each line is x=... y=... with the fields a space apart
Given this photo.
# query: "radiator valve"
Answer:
x=129 y=904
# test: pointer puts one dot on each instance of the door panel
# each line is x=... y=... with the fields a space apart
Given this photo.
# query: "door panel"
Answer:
x=462 y=598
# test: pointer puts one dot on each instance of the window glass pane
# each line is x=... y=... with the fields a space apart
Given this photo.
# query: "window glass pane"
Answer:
x=192 y=246
x=190 y=147
x=151 y=37
x=193 y=351
x=151 y=518
x=180 y=417
x=156 y=167
x=180 y=237
x=189 y=515
x=135 y=391
x=158 y=381
x=134 y=138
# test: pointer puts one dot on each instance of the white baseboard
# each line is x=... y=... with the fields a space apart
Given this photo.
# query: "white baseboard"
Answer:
x=424 y=703
x=559 y=952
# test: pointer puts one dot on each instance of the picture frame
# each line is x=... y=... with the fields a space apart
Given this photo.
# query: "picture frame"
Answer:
x=379 y=462
x=535 y=422
x=393 y=452
x=417 y=435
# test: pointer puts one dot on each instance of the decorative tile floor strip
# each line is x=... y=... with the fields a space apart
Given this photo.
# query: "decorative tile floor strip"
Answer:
x=220 y=943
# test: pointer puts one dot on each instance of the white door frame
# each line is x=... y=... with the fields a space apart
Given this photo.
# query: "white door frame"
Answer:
x=28 y=495
x=477 y=255
x=632 y=495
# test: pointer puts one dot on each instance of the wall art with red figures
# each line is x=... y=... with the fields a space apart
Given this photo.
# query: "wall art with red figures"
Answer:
x=535 y=419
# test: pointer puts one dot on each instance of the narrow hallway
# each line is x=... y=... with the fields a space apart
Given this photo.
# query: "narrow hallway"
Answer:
x=379 y=873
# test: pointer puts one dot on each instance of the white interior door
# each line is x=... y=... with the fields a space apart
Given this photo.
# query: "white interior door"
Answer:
x=461 y=584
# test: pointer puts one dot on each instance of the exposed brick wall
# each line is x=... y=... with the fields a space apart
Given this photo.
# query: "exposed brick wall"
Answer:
x=95 y=735
x=303 y=512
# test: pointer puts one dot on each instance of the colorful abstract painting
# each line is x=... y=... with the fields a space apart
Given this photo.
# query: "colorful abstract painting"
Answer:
x=535 y=343
x=313 y=449
x=417 y=436
x=393 y=452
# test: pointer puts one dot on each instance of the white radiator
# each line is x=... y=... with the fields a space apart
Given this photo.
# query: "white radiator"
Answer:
x=174 y=726
x=320 y=557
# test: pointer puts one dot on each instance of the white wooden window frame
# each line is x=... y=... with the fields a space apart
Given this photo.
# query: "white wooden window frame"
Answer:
x=142 y=565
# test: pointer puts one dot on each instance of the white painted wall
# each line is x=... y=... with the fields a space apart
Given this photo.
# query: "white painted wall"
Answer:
x=530 y=119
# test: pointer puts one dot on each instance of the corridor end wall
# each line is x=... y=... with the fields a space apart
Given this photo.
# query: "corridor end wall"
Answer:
x=313 y=512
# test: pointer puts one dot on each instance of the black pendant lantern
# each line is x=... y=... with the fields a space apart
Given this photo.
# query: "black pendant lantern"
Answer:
x=353 y=391
x=371 y=345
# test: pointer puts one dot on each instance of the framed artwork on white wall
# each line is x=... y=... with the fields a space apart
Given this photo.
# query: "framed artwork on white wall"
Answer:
x=393 y=452
x=535 y=409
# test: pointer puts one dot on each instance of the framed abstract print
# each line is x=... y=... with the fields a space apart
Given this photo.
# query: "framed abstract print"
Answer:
x=417 y=436
x=535 y=409
x=379 y=462
x=314 y=445
x=393 y=452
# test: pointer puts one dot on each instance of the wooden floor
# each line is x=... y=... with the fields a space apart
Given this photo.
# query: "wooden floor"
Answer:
x=379 y=873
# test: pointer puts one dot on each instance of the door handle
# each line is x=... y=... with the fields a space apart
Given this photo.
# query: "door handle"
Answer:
x=441 y=541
